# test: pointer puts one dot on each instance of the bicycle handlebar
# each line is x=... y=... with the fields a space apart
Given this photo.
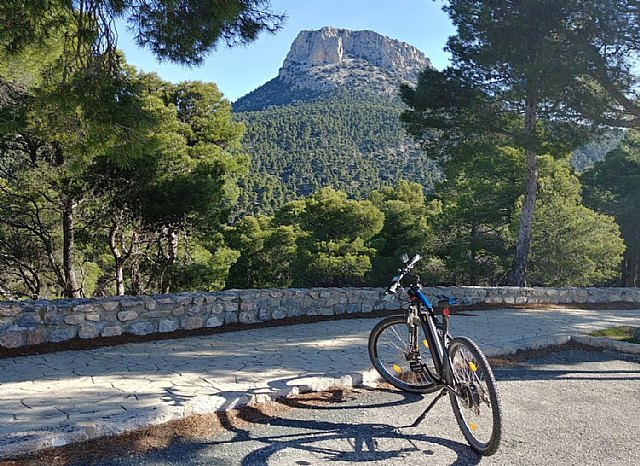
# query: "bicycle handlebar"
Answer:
x=393 y=288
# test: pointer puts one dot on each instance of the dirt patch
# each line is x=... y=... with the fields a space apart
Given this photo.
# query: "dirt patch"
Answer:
x=523 y=355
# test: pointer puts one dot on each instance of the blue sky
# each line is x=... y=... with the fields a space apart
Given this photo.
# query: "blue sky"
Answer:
x=240 y=70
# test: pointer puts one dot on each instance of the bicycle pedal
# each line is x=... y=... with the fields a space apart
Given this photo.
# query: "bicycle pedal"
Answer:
x=416 y=366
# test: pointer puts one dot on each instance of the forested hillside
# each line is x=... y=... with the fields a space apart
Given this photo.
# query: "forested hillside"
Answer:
x=352 y=142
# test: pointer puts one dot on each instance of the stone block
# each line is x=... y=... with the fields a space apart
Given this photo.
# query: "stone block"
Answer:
x=230 y=317
x=88 y=331
x=93 y=317
x=167 y=325
x=183 y=299
x=74 y=319
x=247 y=306
x=5 y=324
x=164 y=299
x=155 y=314
x=91 y=307
x=34 y=337
x=217 y=308
x=213 y=322
x=295 y=311
x=126 y=316
x=29 y=320
x=198 y=300
x=62 y=334
x=195 y=310
x=352 y=308
x=52 y=319
x=190 y=323
x=248 y=317
x=12 y=340
x=150 y=304
x=110 y=306
x=111 y=331
x=10 y=309
x=141 y=328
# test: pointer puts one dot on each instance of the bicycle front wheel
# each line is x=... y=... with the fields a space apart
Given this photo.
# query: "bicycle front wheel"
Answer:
x=477 y=404
x=394 y=358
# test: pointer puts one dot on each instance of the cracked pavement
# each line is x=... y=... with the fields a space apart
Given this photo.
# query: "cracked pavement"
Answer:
x=59 y=398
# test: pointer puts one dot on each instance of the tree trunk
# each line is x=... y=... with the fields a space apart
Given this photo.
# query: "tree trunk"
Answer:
x=172 y=257
x=517 y=276
x=71 y=289
x=136 y=279
x=117 y=258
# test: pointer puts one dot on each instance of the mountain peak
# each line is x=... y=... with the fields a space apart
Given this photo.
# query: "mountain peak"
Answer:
x=329 y=59
x=322 y=60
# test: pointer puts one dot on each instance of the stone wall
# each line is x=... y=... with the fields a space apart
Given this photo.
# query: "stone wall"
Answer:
x=28 y=323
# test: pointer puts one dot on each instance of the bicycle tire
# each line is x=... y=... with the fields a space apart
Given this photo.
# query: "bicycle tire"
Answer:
x=388 y=351
x=476 y=388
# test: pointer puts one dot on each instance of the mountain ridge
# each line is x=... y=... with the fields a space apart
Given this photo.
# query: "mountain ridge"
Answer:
x=329 y=59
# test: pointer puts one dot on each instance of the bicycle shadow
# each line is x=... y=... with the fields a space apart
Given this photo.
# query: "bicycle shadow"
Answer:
x=332 y=440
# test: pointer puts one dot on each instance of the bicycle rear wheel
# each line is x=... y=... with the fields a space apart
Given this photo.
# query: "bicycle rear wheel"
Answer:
x=394 y=359
x=477 y=405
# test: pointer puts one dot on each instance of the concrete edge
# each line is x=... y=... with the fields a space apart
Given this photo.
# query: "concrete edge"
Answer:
x=22 y=443
x=527 y=344
x=607 y=343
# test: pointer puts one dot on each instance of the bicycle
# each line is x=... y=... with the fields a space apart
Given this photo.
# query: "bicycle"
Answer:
x=415 y=353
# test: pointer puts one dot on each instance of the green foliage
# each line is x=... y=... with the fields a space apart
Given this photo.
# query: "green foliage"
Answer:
x=318 y=241
x=267 y=252
x=333 y=250
x=351 y=142
x=612 y=186
x=182 y=32
x=478 y=200
x=123 y=165
x=405 y=230
x=572 y=245
x=537 y=76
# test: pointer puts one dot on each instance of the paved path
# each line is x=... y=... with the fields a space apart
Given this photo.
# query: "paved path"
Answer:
x=64 y=397
x=559 y=408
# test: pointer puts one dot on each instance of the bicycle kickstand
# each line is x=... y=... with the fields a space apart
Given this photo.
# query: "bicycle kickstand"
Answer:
x=426 y=411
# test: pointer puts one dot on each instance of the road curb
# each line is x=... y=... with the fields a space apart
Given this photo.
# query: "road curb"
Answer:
x=607 y=343
x=21 y=443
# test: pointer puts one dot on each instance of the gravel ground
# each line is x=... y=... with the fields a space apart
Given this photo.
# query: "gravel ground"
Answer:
x=567 y=406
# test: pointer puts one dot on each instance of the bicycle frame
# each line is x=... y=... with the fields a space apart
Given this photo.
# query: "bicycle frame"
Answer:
x=436 y=344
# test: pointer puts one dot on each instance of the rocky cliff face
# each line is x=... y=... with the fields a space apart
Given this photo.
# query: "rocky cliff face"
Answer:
x=329 y=58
